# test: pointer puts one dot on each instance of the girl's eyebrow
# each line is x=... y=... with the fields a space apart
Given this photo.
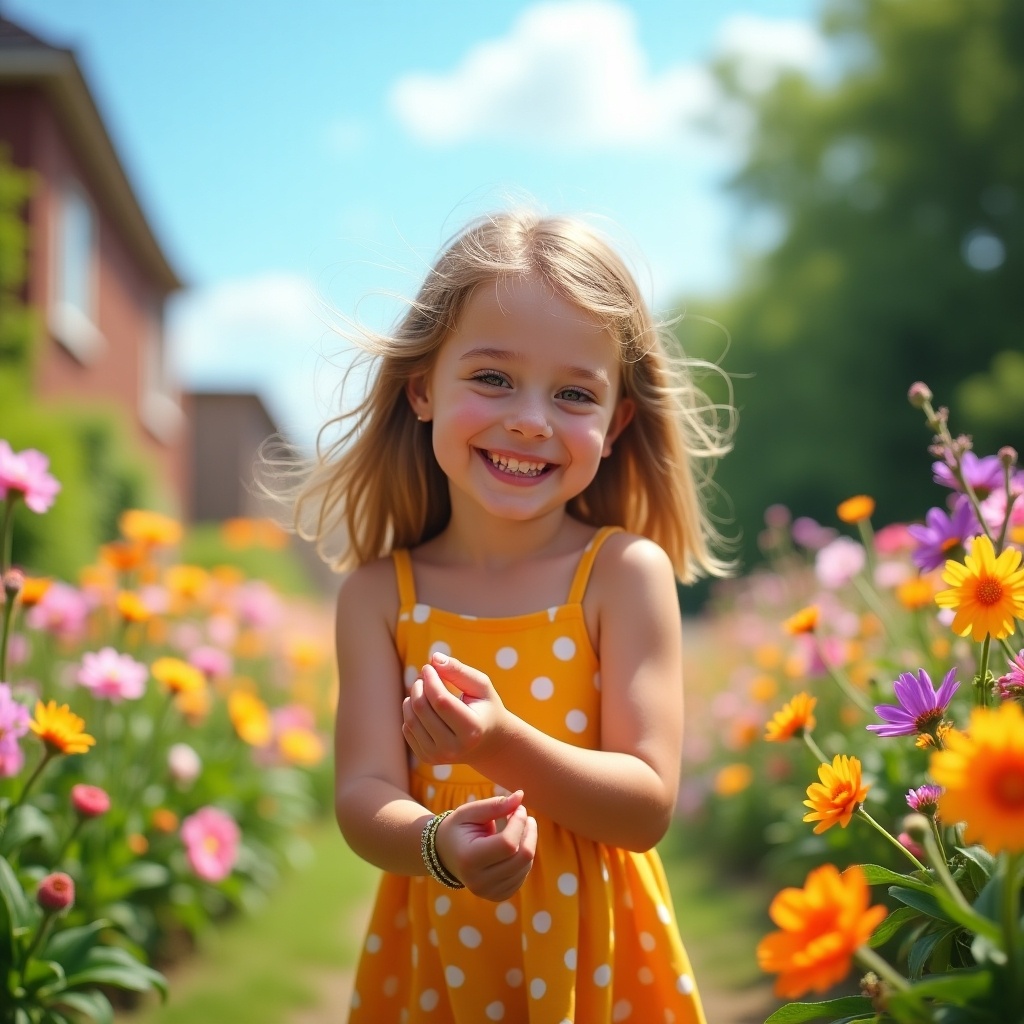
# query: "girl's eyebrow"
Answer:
x=598 y=376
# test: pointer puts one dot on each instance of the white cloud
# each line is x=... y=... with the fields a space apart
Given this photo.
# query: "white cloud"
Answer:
x=573 y=74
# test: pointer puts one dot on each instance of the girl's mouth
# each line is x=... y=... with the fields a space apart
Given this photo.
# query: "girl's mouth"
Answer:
x=516 y=467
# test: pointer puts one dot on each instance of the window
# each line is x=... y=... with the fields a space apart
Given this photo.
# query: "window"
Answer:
x=73 y=309
x=158 y=406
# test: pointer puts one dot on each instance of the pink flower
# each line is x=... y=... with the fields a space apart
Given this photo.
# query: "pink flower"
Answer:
x=1010 y=686
x=893 y=539
x=14 y=719
x=56 y=892
x=183 y=763
x=211 y=840
x=211 y=661
x=25 y=475
x=62 y=611
x=113 y=676
x=838 y=562
x=89 y=801
x=258 y=605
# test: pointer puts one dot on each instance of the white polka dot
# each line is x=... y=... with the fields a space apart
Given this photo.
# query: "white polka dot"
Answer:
x=442 y=771
x=455 y=976
x=401 y=918
x=646 y=975
x=470 y=936
x=552 y=612
x=507 y=657
x=622 y=1010
x=431 y=792
x=564 y=648
x=356 y=1001
x=647 y=941
x=495 y=1011
x=432 y=937
x=505 y=913
x=403 y=1017
x=390 y=985
x=663 y=914
x=373 y=943
x=429 y=999
x=567 y=884
x=420 y=612
x=442 y=905
x=602 y=976
x=576 y=721
x=412 y=673
x=670 y=1017
x=542 y=688
x=415 y=954
x=570 y=959
x=439 y=647
x=627 y=898
x=684 y=984
x=542 y=921
x=538 y=987
x=514 y=977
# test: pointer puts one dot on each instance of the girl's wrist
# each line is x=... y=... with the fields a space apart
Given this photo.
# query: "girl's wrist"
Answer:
x=437 y=867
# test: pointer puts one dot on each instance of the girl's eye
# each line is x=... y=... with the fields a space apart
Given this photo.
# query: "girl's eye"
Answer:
x=575 y=395
x=493 y=378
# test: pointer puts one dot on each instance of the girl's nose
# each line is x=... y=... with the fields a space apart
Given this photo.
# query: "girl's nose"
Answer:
x=529 y=420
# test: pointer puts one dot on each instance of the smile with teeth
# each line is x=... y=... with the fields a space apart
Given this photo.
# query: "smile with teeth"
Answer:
x=518 y=467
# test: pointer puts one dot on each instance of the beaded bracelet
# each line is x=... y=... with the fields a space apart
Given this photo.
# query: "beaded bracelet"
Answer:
x=428 y=850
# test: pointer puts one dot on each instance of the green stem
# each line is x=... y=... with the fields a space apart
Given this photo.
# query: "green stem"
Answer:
x=8 y=532
x=1011 y=918
x=873 y=962
x=982 y=688
x=843 y=683
x=68 y=841
x=941 y=869
x=48 y=755
x=892 y=839
x=37 y=939
x=873 y=601
x=938 y=839
x=5 y=634
x=814 y=748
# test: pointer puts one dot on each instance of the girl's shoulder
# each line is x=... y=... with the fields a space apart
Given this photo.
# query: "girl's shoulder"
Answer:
x=369 y=589
x=629 y=566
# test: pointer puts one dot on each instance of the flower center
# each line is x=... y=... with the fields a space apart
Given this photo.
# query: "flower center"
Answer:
x=842 y=794
x=949 y=543
x=927 y=719
x=989 y=591
x=1010 y=790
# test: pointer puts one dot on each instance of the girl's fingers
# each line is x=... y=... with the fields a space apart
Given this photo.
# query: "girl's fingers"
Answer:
x=469 y=680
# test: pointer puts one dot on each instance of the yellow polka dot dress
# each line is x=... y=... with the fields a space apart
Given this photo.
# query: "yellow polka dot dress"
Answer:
x=591 y=934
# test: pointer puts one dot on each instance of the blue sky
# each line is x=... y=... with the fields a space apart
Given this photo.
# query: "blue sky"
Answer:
x=298 y=163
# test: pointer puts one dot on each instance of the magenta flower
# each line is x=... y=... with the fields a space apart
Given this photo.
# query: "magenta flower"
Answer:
x=213 y=662
x=941 y=533
x=258 y=605
x=211 y=840
x=1010 y=686
x=924 y=799
x=89 y=801
x=14 y=720
x=56 y=892
x=920 y=707
x=983 y=474
x=113 y=676
x=24 y=474
x=62 y=611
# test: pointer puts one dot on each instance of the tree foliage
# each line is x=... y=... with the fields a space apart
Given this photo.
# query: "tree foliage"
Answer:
x=900 y=188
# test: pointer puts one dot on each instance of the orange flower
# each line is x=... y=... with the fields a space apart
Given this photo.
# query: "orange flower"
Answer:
x=915 y=593
x=177 y=675
x=982 y=771
x=987 y=592
x=250 y=717
x=838 y=795
x=132 y=608
x=137 y=843
x=733 y=779
x=792 y=719
x=301 y=746
x=33 y=589
x=123 y=555
x=821 y=926
x=164 y=819
x=194 y=704
x=149 y=528
x=763 y=688
x=804 y=621
x=187 y=582
x=304 y=653
x=856 y=509
x=60 y=729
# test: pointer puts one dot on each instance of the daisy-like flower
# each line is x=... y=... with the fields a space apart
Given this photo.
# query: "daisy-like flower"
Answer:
x=983 y=474
x=177 y=675
x=982 y=771
x=250 y=717
x=921 y=707
x=915 y=593
x=942 y=532
x=211 y=839
x=1011 y=686
x=25 y=475
x=60 y=729
x=924 y=799
x=14 y=723
x=821 y=926
x=987 y=592
x=112 y=675
x=840 y=792
x=856 y=509
x=793 y=719
x=149 y=528
x=804 y=621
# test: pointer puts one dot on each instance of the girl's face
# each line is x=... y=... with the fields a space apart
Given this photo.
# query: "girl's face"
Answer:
x=524 y=399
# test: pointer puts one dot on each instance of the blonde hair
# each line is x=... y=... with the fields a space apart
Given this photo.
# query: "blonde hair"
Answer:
x=377 y=486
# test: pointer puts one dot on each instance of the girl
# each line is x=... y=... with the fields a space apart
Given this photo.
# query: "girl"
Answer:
x=517 y=498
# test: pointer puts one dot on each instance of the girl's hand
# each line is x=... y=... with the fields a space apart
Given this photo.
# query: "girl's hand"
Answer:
x=442 y=728
x=490 y=863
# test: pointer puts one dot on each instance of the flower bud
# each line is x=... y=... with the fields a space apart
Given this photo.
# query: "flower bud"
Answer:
x=919 y=394
x=89 y=801
x=1008 y=456
x=14 y=580
x=916 y=826
x=56 y=892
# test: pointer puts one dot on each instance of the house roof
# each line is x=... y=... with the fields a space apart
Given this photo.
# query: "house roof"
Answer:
x=25 y=59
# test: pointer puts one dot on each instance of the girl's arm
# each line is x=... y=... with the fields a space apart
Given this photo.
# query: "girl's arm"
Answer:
x=380 y=821
x=623 y=794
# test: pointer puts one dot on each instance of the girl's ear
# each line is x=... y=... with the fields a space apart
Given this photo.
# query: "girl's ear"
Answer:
x=417 y=390
x=624 y=411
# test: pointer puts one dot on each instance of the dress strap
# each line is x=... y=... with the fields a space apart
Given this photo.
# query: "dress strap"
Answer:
x=403 y=573
x=586 y=563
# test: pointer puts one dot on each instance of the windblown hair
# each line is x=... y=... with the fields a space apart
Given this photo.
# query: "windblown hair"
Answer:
x=377 y=486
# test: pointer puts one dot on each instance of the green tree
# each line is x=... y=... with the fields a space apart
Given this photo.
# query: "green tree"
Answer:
x=900 y=189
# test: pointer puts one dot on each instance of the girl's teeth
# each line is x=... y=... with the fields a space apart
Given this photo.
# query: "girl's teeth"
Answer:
x=522 y=467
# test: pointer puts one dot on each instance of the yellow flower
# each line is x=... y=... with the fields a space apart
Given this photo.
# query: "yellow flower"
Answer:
x=837 y=796
x=149 y=528
x=733 y=779
x=132 y=608
x=804 y=621
x=194 y=704
x=177 y=675
x=250 y=717
x=915 y=593
x=792 y=719
x=301 y=746
x=982 y=771
x=987 y=592
x=767 y=656
x=60 y=729
x=821 y=926
x=304 y=653
x=763 y=688
x=856 y=509
x=187 y=582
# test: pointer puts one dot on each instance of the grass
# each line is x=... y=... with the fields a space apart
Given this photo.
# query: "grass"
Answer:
x=260 y=968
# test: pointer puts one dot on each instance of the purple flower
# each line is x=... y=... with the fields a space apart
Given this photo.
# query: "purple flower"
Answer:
x=920 y=706
x=941 y=532
x=810 y=534
x=25 y=474
x=14 y=720
x=1010 y=686
x=924 y=799
x=983 y=474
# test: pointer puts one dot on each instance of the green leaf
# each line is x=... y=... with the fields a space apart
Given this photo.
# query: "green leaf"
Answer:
x=25 y=824
x=878 y=875
x=922 y=950
x=93 y=1005
x=71 y=946
x=794 y=1013
x=980 y=856
x=892 y=924
x=15 y=909
x=922 y=901
x=957 y=987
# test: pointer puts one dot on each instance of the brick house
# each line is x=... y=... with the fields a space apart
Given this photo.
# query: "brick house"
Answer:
x=96 y=271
